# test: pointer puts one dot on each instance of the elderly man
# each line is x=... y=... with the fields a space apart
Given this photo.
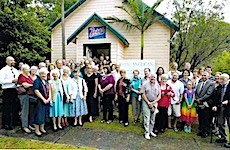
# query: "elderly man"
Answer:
x=204 y=90
x=219 y=103
x=8 y=79
x=151 y=95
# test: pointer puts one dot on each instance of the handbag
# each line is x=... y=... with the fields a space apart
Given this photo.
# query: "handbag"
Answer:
x=64 y=94
x=30 y=91
x=20 y=90
x=33 y=100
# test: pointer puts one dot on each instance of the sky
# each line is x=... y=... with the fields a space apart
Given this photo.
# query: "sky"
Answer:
x=165 y=9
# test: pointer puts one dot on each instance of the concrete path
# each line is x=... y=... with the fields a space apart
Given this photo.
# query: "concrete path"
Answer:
x=105 y=139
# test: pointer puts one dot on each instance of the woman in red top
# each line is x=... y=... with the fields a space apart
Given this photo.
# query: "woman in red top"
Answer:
x=163 y=104
x=27 y=82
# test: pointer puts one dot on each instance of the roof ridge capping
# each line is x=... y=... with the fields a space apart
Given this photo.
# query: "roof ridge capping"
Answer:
x=165 y=20
x=103 y=22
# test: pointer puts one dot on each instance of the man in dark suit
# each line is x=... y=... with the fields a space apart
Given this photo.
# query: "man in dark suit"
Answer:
x=204 y=90
x=219 y=104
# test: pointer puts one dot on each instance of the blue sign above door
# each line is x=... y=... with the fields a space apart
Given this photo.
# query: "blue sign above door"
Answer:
x=97 y=32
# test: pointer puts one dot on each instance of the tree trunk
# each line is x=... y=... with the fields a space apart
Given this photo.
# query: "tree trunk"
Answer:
x=142 y=45
x=63 y=28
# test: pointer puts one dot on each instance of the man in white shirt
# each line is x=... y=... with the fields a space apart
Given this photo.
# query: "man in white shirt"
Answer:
x=174 y=68
x=8 y=79
x=175 y=109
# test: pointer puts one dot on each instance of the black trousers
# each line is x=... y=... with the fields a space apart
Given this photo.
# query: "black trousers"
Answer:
x=161 y=121
x=204 y=120
x=107 y=102
x=9 y=108
x=123 y=107
x=90 y=105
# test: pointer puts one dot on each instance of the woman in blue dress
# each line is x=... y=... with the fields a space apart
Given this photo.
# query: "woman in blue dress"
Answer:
x=41 y=90
x=66 y=83
x=79 y=98
x=56 y=92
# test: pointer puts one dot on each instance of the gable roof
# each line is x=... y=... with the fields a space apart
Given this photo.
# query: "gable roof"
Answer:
x=166 y=21
x=103 y=22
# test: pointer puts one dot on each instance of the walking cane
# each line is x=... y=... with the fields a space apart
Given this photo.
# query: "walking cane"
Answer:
x=214 y=120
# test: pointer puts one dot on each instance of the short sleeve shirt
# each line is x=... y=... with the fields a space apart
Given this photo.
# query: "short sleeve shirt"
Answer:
x=151 y=91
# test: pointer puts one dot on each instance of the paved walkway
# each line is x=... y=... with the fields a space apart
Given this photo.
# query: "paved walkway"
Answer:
x=104 y=139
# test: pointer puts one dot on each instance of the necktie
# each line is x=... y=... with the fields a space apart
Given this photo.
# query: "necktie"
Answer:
x=222 y=93
x=201 y=87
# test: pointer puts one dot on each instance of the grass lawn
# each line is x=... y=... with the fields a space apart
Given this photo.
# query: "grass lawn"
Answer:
x=116 y=126
x=20 y=143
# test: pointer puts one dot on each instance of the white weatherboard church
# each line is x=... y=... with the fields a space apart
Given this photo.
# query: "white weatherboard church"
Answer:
x=89 y=34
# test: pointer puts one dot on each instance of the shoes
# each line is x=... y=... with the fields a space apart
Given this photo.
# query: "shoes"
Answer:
x=38 y=135
x=227 y=145
x=31 y=128
x=147 y=137
x=60 y=128
x=135 y=121
x=109 y=121
x=6 y=127
x=153 y=134
x=221 y=140
x=204 y=135
x=199 y=134
x=26 y=130
x=126 y=124
x=63 y=124
x=44 y=132
x=185 y=129
x=66 y=124
x=162 y=131
x=75 y=124
x=175 y=129
x=55 y=129
x=120 y=121
x=189 y=129
x=102 y=121
x=155 y=131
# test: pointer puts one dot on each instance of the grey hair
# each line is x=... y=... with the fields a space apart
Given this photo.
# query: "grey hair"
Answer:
x=43 y=70
x=25 y=67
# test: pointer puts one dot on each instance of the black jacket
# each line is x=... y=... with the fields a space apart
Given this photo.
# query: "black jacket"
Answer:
x=215 y=99
x=125 y=87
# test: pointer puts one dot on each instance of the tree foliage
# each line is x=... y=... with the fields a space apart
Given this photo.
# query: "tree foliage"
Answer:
x=22 y=35
x=142 y=17
x=202 y=35
x=221 y=62
x=51 y=9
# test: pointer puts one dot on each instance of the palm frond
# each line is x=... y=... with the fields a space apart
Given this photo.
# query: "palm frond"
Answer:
x=151 y=21
x=128 y=25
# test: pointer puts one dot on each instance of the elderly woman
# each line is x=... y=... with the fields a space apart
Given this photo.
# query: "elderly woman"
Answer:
x=41 y=90
x=135 y=96
x=56 y=92
x=67 y=91
x=79 y=98
x=151 y=95
x=33 y=72
x=26 y=81
x=123 y=95
x=106 y=88
x=161 y=122
x=92 y=83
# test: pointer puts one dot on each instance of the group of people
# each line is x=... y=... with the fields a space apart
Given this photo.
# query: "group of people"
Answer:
x=67 y=92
